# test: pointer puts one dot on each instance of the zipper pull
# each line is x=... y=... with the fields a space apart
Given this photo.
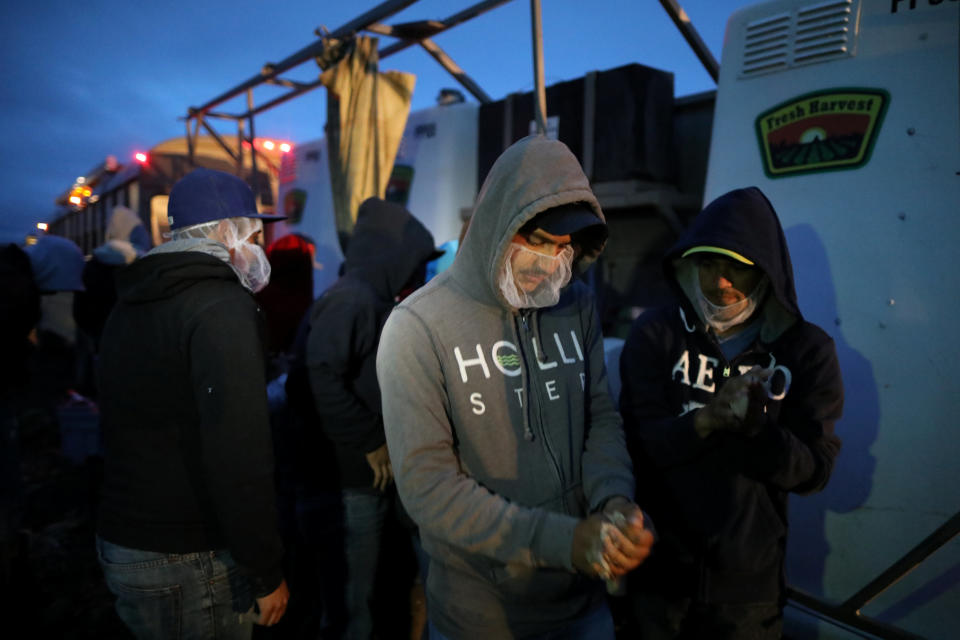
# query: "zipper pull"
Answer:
x=726 y=372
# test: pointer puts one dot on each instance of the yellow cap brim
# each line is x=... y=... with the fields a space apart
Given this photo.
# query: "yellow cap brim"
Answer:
x=724 y=252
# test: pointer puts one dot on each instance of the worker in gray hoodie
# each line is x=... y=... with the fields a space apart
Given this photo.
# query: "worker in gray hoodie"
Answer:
x=506 y=447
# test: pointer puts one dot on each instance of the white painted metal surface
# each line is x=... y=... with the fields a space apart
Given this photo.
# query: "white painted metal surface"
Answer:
x=875 y=250
x=438 y=154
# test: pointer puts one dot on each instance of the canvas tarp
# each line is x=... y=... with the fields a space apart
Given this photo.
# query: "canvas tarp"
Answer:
x=365 y=128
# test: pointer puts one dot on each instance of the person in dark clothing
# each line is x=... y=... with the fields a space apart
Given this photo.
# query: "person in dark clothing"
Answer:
x=385 y=260
x=19 y=314
x=126 y=239
x=285 y=301
x=729 y=401
x=289 y=294
x=187 y=503
x=57 y=265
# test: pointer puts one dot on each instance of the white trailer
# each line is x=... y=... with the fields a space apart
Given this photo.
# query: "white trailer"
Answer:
x=846 y=114
x=434 y=176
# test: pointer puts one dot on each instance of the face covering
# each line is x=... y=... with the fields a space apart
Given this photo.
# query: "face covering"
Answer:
x=548 y=292
x=721 y=318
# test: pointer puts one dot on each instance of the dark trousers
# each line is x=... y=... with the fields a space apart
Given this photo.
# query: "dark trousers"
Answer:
x=597 y=624
x=344 y=530
x=656 y=618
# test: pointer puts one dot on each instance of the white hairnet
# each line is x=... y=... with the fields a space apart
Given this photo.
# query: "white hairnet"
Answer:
x=548 y=293
x=248 y=259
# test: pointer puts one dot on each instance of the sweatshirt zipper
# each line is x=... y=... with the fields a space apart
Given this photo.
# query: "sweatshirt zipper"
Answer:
x=532 y=391
x=726 y=372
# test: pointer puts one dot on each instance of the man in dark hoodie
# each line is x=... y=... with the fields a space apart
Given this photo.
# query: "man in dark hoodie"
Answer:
x=507 y=448
x=729 y=402
x=385 y=260
x=126 y=240
x=187 y=533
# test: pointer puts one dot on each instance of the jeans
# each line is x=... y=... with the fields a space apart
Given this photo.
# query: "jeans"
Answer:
x=185 y=596
x=344 y=529
x=597 y=624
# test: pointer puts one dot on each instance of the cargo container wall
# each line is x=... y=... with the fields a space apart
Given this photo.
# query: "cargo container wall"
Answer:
x=845 y=114
x=434 y=176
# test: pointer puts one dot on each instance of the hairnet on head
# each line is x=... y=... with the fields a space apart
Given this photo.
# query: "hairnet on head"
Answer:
x=248 y=259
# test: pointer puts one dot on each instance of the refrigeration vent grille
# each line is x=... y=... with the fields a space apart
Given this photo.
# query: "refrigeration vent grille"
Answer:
x=812 y=33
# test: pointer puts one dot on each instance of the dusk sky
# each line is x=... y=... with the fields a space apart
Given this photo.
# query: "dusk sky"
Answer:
x=82 y=81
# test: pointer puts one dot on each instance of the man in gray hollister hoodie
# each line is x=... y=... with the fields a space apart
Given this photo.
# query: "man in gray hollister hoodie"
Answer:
x=502 y=434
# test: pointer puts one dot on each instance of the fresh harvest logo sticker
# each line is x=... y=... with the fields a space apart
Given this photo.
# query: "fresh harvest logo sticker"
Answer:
x=821 y=131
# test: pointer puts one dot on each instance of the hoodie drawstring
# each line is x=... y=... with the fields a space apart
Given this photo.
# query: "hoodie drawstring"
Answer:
x=527 y=431
x=538 y=344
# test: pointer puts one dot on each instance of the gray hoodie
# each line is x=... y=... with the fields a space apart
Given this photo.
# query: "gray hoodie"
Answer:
x=501 y=431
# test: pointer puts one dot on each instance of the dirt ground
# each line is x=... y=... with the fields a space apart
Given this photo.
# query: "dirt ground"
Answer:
x=54 y=580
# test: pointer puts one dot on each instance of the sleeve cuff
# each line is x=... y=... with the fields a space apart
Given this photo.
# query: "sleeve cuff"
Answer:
x=374 y=441
x=263 y=583
x=765 y=451
x=553 y=541
x=603 y=503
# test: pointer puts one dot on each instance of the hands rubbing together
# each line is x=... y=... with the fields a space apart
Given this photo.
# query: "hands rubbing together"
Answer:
x=737 y=407
x=612 y=543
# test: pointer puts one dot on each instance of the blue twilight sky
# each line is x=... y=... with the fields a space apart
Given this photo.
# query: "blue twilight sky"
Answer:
x=84 y=80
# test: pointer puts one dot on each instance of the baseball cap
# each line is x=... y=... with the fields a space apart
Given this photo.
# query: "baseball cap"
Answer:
x=720 y=250
x=205 y=195
x=567 y=219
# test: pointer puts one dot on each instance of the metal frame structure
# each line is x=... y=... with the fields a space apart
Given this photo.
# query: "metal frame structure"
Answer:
x=409 y=34
x=847 y=614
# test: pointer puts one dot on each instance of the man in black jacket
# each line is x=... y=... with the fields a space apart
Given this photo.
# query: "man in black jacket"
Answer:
x=385 y=260
x=729 y=401
x=187 y=532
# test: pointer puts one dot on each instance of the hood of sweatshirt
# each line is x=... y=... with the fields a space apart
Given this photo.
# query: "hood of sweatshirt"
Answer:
x=126 y=238
x=387 y=247
x=170 y=269
x=742 y=221
x=531 y=176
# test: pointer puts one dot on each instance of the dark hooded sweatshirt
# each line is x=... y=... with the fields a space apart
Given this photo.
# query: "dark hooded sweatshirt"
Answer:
x=720 y=503
x=183 y=409
x=389 y=247
x=501 y=429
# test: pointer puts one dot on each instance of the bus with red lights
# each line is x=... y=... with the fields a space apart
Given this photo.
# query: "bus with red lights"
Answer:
x=143 y=184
